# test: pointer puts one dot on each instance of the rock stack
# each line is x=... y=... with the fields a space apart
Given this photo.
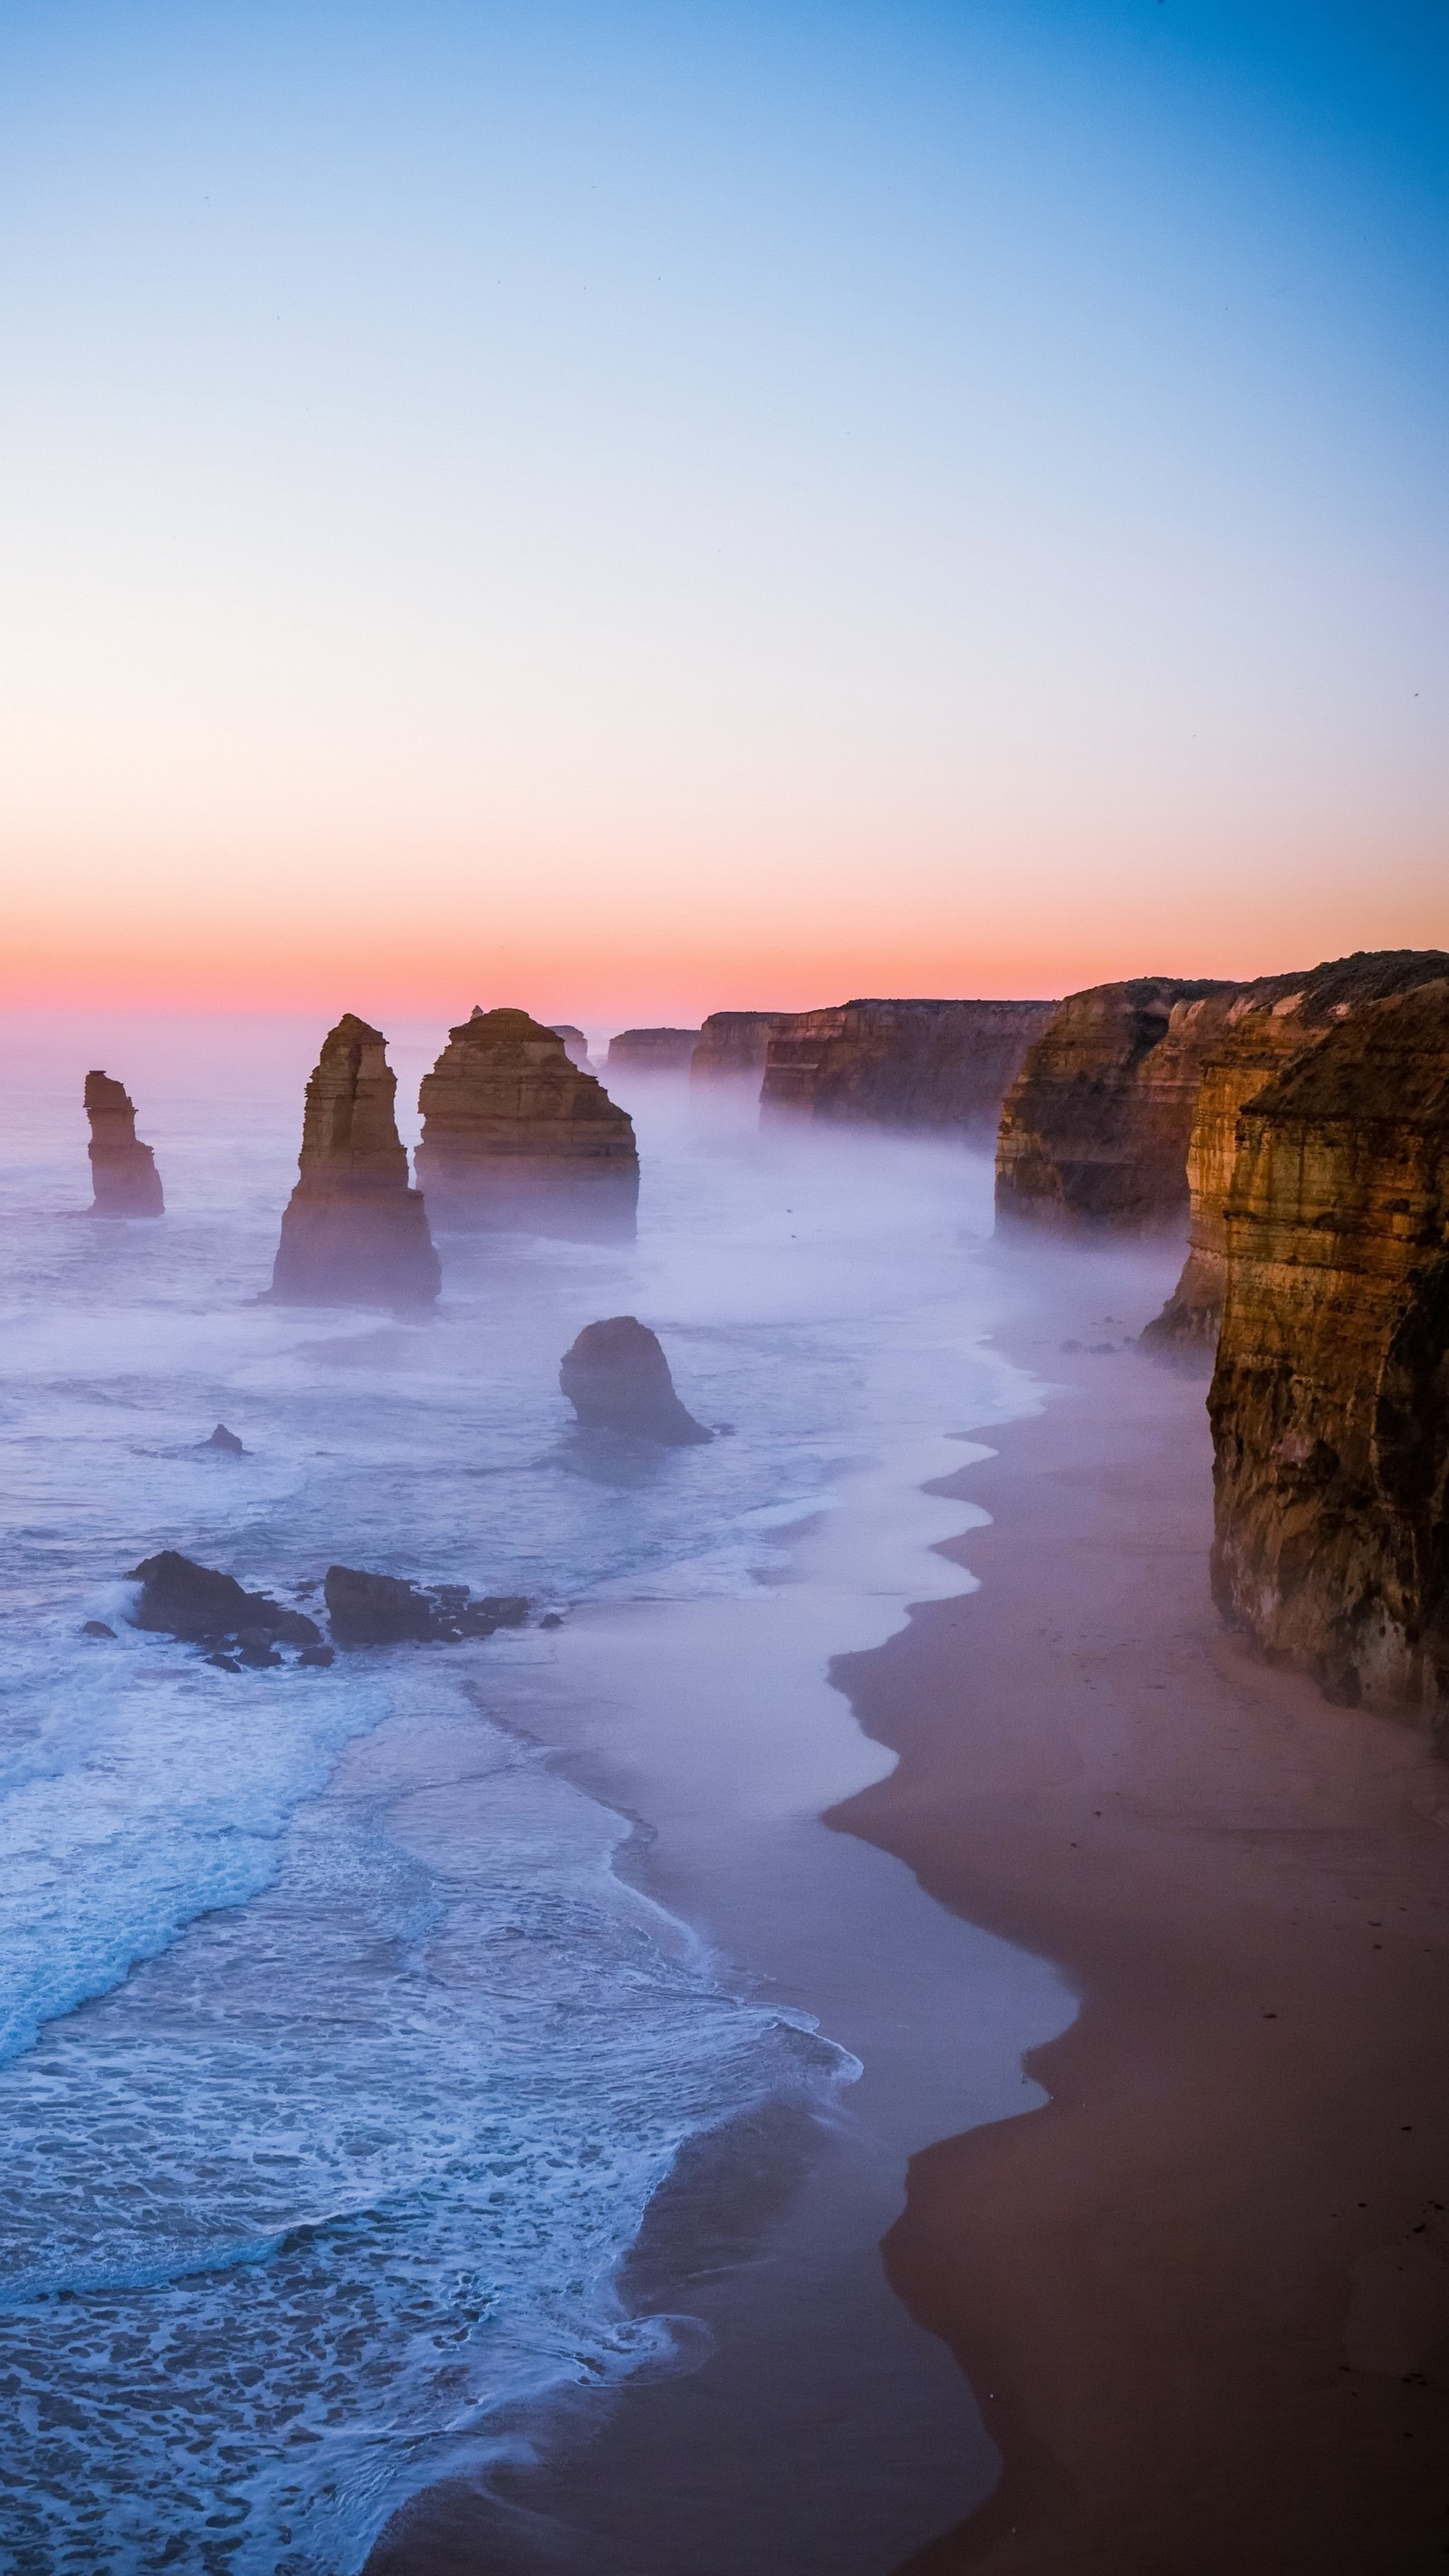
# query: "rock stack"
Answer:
x=576 y=1045
x=354 y=1233
x=123 y=1173
x=942 y=1066
x=732 y=1047
x=1330 y=1400
x=1095 y=1129
x=617 y=1378
x=515 y=1135
x=652 y=1050
x=1269 y=1024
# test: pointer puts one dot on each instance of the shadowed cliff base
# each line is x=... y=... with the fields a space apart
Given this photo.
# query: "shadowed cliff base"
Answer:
x=516 y=1137
x=353 y=1232
x=123 y=1171
x=1202 y=2298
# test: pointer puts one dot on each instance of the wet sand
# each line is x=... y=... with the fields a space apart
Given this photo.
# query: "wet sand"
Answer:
x=1203 y=2296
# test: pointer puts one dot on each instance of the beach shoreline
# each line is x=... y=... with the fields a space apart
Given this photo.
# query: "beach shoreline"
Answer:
x=1201 y=2294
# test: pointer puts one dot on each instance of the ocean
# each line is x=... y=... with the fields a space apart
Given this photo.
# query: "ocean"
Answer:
x=325 y=2137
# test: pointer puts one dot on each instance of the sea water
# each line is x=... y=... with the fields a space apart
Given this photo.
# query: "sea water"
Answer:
x=324 y=2139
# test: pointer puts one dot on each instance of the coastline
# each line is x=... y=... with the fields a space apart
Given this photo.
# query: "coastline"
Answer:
x=1200 y=2295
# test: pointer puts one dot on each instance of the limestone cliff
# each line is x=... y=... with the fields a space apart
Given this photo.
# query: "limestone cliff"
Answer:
x=576 y=1045
x=515 y=1135
x=123 y=1173
x=652 y=1050
x=1330 y=1400
x=1095 y=1129
x=931 y=1065
x=1269 y=1024
x=354 y=1233
x=733 y=1045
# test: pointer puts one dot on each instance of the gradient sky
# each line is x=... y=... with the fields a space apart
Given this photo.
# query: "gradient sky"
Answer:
x=640 y=509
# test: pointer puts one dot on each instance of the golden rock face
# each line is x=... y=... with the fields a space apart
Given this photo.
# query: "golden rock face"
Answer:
x=927 y=1066
x=516 y=1134
x=354 y=1231
x=1330 y=1400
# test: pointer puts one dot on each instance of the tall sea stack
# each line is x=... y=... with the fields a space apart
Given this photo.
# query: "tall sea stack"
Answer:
x=123 y=1172
x=1330 y=1401
x=942 y=1066
x=1270 y=1023
x=515 y=1135
x=354 y=1233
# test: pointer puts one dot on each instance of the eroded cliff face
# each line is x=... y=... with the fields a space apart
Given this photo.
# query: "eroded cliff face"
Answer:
x=1330 y=1400
x=652 y=1050
x=123 y=1171
x=516 y=1135
x=732 y=1046
x=1269 y=1024
x=944 y=1066
x=354 y=1233
x=1095 y=1128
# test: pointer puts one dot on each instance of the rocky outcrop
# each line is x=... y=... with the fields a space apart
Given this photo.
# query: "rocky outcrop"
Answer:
x=652 y=1050
x=943 y=1066
x=180 y=1598
x=354 y=1233
x=1330 y=1400
x=576 y=1045
x=224 y=1440
x=732 y=1047
x=1095 y=1128
x=123 y=1172
x=1269 y=1024
x=617 y=1378
x=514 y=1135
x=382 y=1610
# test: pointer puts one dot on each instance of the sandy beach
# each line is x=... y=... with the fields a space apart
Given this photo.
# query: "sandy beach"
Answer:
x=1203 y=2296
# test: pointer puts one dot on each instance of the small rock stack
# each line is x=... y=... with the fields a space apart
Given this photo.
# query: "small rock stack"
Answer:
x=123 y=1172
x=354 y=1233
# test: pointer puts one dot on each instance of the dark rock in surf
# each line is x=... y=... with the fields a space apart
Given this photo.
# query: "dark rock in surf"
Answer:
x=180 y=1598
x=123 y=1171
x=383 y=1610
x=224 y=1440
x=617 y=1378
x=96 y=1628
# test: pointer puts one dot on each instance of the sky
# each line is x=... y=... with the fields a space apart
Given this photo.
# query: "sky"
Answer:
x=643 y=509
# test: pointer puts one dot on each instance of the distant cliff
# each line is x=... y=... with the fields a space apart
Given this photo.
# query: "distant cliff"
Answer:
x=930 y=1065
x=1095 y=1130
x=124 y=1177
x=652 y=1050
x=1269 y=1024
x=732 y=1046
x=1330 y=1400
x=354 y=1233
x=516 y=1135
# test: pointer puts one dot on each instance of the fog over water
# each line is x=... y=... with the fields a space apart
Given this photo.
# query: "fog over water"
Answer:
x=339 y=2060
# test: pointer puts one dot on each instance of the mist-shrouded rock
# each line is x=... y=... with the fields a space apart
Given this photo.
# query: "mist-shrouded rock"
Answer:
x=652 y=1050
x=124 y=1177
x=1270 y=1023
x=941 y=1067
x=354 y=1232
x=1095 y=1128
x=516 y=1135
x=576 y=1045
x=732 y=1046
x=617 y=1378
x=1330 y=1399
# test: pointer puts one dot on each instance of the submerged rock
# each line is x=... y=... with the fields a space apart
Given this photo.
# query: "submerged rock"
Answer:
x=934 y=1066
x=617 y=1378
x=180 y=1598
x=354 y=1233
x=1270 y=1024
x=382 y=1610
x=123 y=1171
x=225 y=1440
x=1330 y=1400
x=515 y=1135
x=96 y=1628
